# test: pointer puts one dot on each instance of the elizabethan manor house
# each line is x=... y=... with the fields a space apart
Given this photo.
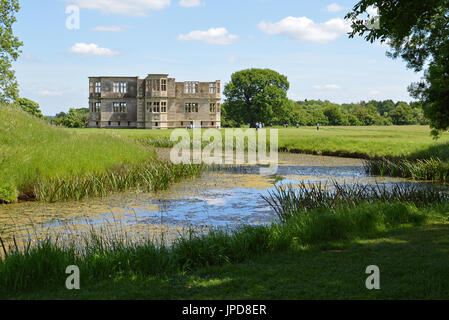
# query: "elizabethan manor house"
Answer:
x=156 y=102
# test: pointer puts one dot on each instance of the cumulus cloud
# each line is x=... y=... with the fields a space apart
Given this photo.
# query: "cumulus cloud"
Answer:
x=306 y=30
x=91 y=49
x=219 y=36
x=334 y=7
x=123 y=7
x=190 y=3
x=110 y=28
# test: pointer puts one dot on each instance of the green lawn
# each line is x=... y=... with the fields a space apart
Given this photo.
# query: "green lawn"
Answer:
x=413 y=264
x=375 y=141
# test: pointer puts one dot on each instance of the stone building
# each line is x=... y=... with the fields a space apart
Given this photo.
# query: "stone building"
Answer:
x=156 y=102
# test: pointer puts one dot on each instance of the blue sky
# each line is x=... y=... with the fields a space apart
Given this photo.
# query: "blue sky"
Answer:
x=202 y=40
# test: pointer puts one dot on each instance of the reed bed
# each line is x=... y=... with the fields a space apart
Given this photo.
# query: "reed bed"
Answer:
x=432 y=169
x=149 y=176
x=288 y=201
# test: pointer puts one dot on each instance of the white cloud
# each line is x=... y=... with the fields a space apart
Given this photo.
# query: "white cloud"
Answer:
x=212 y=36
x=190 y=3
x=110 y=28
x=372 y=11
x=123 y=7
x=374 y=92
x=327 y=87
x=49 y=93
x=334 y=7
x=306 y=30
x=91 y=49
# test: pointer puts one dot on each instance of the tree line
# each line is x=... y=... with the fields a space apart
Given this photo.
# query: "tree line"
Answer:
x=260 y=95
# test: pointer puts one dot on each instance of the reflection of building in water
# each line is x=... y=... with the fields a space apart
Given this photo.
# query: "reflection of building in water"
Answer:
x=156 y=102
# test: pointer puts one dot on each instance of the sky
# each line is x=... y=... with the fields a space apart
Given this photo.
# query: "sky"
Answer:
x=200 y=40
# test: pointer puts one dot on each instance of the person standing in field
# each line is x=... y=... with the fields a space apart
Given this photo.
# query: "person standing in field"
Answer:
x=317 y=127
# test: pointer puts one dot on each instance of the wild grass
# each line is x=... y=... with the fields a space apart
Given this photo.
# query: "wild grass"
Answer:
x=431 y=169
x=101 y=257
x=38 y=161
x=288 y=201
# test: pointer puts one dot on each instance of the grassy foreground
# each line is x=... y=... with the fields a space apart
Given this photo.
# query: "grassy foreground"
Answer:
x=293 y=261
x=40 y=162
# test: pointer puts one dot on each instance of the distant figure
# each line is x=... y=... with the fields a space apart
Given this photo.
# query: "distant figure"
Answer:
x=317 y=127
x=257 y=126
x=297 y=125
x=263 y=125
x=86 y=123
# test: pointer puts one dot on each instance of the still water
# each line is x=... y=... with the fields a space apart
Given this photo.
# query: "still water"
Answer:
x=216 y=199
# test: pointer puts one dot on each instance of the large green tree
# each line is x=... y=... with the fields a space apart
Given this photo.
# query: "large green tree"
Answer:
x=417 y=31
x=9 y=50
x=256 y=95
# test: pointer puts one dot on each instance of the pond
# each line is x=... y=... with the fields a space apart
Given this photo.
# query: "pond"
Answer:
x=227 y=198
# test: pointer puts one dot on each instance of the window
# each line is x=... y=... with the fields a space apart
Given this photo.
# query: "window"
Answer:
x=156 y=85
x=191 y=87
x=97 y=107
x=156 y=124
x=213 y=108
x=156 y=107
x=191 y=107
x=212 y=88
x=119 y=123
x=149 y=107
x=116 y=107
x=164 y=85
x=164 y=107
x=123 y=107
x=97 y=87
x=120 y=87
x=123 y=87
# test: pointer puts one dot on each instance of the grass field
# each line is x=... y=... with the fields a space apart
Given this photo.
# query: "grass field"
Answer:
x=363 y=142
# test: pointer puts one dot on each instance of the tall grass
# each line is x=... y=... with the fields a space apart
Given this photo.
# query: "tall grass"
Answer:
x=287 y=201
x=38 y=161
x=432 y=169
x=101 y=256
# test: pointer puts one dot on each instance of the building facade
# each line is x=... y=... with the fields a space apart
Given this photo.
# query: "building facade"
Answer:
x=156 y=102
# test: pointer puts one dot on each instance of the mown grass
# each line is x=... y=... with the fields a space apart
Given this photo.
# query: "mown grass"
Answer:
x=41 y=268
x=361 y=142
x=41 y=162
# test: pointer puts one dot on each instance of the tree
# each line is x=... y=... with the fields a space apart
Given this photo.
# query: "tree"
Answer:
x=256 y=95
x=9 y=50
x=417 y=31
x=29 y=106
x=75 y=118
x=403 y=114
x=335 y=115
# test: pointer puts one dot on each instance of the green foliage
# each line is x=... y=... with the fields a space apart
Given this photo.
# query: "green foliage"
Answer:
x=418 y=32
x=29 y=106
x=9 y=50
x=255 y=95
x=75 y=118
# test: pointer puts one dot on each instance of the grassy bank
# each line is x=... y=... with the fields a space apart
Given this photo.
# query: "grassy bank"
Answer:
x=120 y=261
x=41 y=162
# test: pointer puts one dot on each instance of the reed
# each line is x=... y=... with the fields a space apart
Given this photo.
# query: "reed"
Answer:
x=287 y=201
